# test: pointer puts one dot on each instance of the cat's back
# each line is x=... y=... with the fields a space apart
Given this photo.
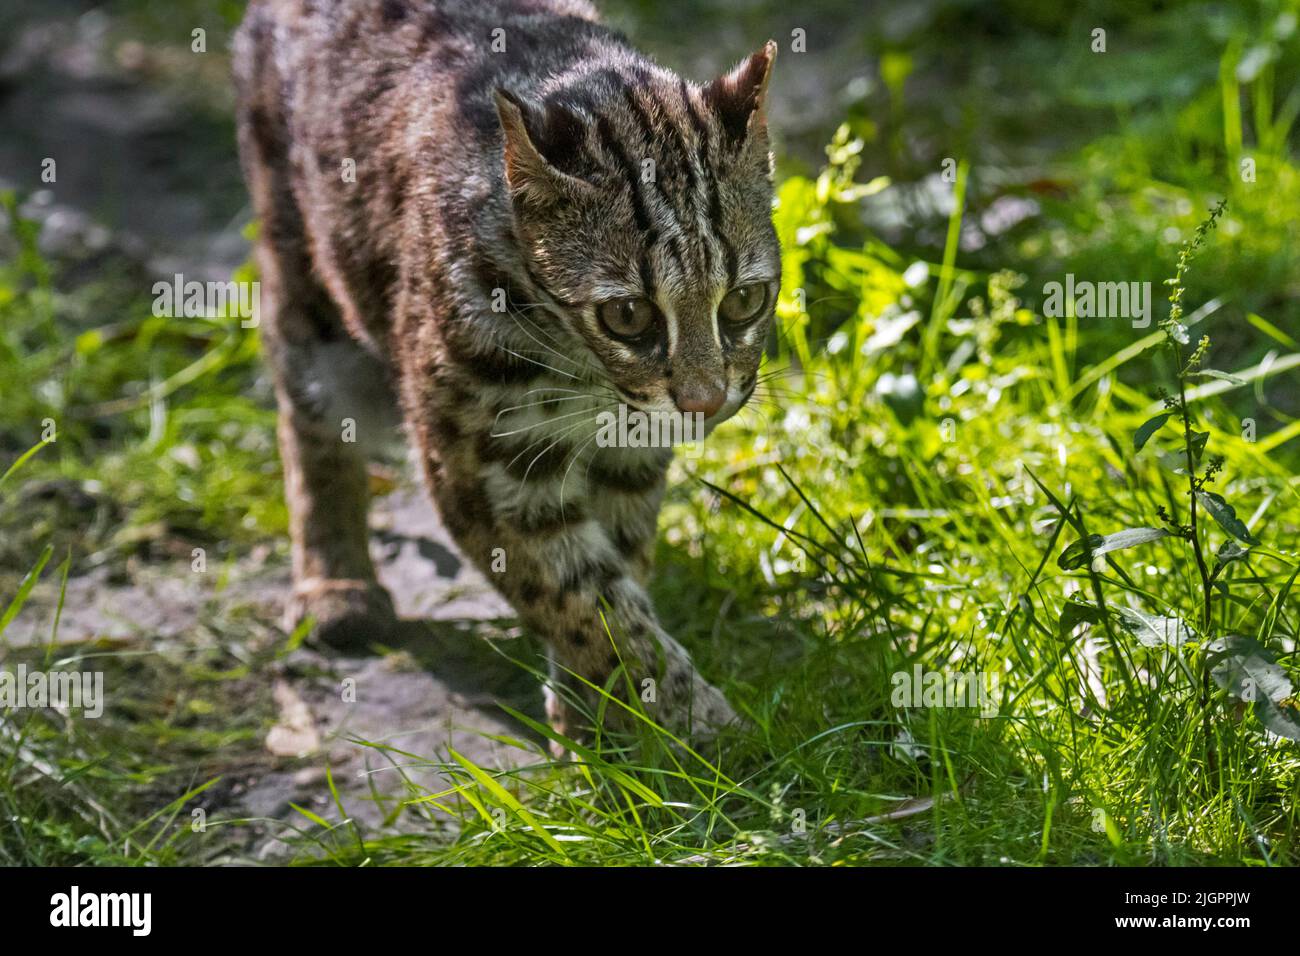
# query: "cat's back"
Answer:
x=342 y=42
x=363 y=79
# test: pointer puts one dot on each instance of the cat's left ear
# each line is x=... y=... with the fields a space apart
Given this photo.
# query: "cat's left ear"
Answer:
x=738 y=97
x=531 y=176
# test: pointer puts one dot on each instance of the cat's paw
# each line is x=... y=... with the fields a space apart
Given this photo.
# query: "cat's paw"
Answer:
x=696 y=717
x=710 y=712
x=346 y=615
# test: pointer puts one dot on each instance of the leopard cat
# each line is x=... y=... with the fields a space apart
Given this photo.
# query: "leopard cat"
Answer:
x=503 y=218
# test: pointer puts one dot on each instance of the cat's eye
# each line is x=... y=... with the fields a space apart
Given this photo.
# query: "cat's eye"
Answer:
x=626 y=318
x=744 y=303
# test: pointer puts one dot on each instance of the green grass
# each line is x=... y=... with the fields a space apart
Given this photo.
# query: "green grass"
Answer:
x=822 y=575
x=907 y=490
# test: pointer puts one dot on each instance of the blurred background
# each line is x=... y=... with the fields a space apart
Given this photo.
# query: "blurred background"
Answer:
x=1073 y=153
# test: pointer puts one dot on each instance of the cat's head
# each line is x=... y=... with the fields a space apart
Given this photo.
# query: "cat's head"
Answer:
x=643 y=209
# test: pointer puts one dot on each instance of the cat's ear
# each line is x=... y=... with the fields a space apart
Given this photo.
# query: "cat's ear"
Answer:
x=737 y=98
x=529 y=174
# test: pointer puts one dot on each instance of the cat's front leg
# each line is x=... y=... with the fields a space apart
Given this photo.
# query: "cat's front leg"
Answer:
x=578 y=591
x=627 y=652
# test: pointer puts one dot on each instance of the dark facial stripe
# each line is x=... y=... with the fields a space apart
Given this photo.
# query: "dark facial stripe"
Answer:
x=642 y=118
x=703 y=252
x=728 y=250
x=675 y=249
x=697 y=121
x=651 y=138
x=526 y=313
x=687 y=167
x=609 y=142
x=532 y=282
x=682 y=169
x=647 y=275
x=715 y=223
x=710 y=185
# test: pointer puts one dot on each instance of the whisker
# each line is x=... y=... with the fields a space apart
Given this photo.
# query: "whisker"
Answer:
x=545 y=401
x=542 y=364
x=558 y=439
x=573 y=391
x=766 y=391
x=518 y=314
x=537 y=441
x=587 y=474
x=545 y=421
x=523 y=324
x=555 y=388
x=575 y=456
x=766 y=421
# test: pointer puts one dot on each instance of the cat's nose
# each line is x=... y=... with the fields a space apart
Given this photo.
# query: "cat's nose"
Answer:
x=705 y=398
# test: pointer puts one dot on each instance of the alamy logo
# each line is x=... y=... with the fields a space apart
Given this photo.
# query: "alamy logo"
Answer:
x=974 y=690
x=194 y=299
x=1100 y=300
x=134 y=910
x=633 y=428
x=82 y=690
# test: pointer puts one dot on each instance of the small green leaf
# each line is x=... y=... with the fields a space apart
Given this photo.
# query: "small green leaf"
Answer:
x=1079 y=553
x=1230 y=551
x=1074 y=613
x=1149 y=428
x=1094 y=546
x=1246 y=670
x=1176 y=461
x=1153 y=630
x=1222 y=376
x=1226 y=516
x=1281 y=718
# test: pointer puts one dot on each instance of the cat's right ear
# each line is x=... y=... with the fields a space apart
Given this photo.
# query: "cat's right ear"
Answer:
x=738 y=98
x=530 y=176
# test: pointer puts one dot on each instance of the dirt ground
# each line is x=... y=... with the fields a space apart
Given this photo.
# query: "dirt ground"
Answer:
x=437 y=687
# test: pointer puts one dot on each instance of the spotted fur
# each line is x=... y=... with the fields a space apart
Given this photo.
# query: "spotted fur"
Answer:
x=516 y=163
